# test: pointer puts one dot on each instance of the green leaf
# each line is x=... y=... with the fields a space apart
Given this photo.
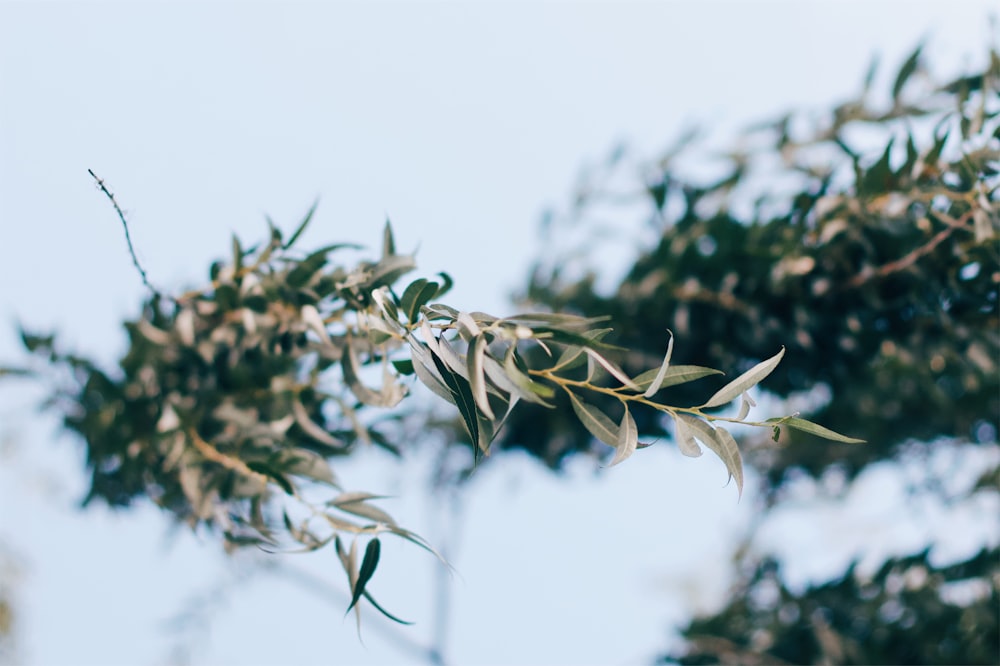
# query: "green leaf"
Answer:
x=354 y=503
x=302 y=225
x=426 y=369
x=615 y=371
x=812 y=429
x=685 y=438
x=237 y=255
x=595 y=421
x=906 y=71
x=415 y=296
x=477 y=376
x=628 y=439
x=662 y=372
x=389 y=396
x=384 y=612
x=528 y=389
x=404 y=366
x=748 y=379
x=388 y=242
x=676 y=374
x=270 y=472
x=721 y=442
x=6 y=371
x=461 y=396
x=368 y=565
x=448 y=283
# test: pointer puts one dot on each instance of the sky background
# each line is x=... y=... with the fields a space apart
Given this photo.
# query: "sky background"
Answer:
x=462 y=122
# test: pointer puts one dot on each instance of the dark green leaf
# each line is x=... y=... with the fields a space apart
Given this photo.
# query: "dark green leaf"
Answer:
x=907 y=70
x=812 y=429
x=302 y=225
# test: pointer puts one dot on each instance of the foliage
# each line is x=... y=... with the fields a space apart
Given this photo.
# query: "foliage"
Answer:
x=884 y=618
x=232 y=400
x=865 y=241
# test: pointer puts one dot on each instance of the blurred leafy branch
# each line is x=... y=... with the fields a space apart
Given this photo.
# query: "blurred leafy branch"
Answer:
x=233 y=399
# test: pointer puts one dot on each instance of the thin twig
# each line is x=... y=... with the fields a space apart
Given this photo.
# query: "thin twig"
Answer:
x=128 y=236
x=914 y=255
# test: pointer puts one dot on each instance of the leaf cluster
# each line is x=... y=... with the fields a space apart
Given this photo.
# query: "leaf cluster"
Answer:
x=233 y=400
x=863 y=240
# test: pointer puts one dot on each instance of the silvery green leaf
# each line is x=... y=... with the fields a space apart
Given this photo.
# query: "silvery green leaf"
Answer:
x=615 y=371
x=595 y=421
x=391 y=394
x=461 y=396
x=685 y=438
x=426 y=370
x=748 y=379
x=452 y=358
x=813 y=429
x=662 y=373
x=477 y=375
x=628 y=439
x=676 y=374
x=730 y=454
x=530 y=390
x=313 y=429
x=719 y=441
x=467 y=326
x=745 y=405
x=436 y=311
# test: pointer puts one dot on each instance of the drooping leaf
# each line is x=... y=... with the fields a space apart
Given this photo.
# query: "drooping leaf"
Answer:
x=721 y=442
x=812 y=429
x=748 y=379
x=384 y=612
x=595 y=421
x=391 y=394
x=461 y=397
x=662 y=372
x=685 y=438
x=730 y=454
x=477 y=375
x=628 y=439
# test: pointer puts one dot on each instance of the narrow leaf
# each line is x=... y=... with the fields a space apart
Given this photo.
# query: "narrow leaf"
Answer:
x=368 y=565
x=721 y=442
x=685 y=439
x=748 y=379
x=730 y=455
x=388 y=242
x=662 y=373
x=907 y=70
x=302 y=225
x=530 y=390
x=595 y=421
x=628 y=439
x=615 y=371
x=477 y=376
x=461 y=396
x=389 y=615
x=676 y=374
x=814 y=429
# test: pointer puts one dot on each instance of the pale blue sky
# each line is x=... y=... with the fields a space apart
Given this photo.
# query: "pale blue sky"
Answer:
x=461 y=121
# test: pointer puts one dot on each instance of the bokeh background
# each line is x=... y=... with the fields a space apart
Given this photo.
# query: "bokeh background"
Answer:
x=462 y=122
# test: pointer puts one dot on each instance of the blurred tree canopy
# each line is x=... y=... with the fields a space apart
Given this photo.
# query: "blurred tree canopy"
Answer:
x=864 y=240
